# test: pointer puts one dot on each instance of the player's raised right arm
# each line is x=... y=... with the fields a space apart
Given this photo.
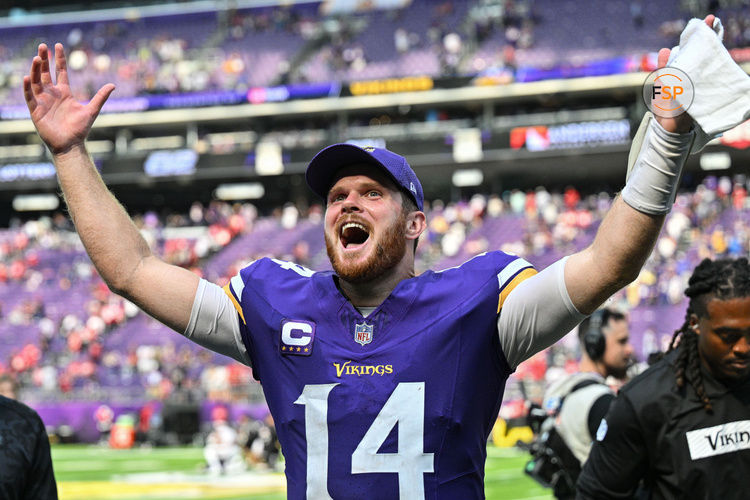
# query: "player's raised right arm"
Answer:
x=114 y=244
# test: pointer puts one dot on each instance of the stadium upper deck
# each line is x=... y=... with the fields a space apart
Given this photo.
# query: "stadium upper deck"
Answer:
x=235 y=50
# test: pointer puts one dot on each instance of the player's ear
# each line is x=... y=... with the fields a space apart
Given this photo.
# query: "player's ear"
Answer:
x=693 y=323
x=416 y=223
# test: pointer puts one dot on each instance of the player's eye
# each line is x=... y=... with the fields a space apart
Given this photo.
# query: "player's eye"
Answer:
x=730 y=338
x=373 y=194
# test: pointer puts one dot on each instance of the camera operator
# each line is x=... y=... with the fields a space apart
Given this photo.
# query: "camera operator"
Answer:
x=577 y=403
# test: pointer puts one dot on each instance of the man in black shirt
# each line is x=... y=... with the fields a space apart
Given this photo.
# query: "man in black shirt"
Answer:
x=25 y=462
x=681 y=429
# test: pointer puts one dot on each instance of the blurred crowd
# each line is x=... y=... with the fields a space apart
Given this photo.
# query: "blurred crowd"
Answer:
x=235 y=50
x=58 y=346
x=710 y=222
x=60 y=323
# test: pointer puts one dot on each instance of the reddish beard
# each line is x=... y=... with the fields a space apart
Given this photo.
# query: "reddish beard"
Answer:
x=387 y=254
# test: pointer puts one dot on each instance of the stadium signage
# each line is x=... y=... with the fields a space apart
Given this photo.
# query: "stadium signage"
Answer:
x=613 y=66
x=571 y=135
x=164 y=163
x=258 y=95
x=255 y=95
x=392 y=85
x=27 y=171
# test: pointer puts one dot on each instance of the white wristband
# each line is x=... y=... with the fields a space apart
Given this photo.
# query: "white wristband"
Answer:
x=654 y=167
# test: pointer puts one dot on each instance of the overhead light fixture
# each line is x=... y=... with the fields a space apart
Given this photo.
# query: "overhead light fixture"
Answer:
x=152 y=143
x=99 y=147
x=35 y=202
x=467 y=177
x=268 y=158
x=241 y=191
x=715 y=161
x=23 y=151
x=467 y=145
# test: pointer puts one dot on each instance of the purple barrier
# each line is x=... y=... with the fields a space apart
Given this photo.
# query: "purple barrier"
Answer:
x=79 y=415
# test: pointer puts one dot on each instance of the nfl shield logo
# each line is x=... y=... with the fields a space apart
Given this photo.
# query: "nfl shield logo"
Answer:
x=363 y=333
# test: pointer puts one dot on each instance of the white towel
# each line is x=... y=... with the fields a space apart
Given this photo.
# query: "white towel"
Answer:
x=721 y=88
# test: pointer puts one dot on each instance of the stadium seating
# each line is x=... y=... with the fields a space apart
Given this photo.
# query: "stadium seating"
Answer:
x=57 y=314
x=240 y=49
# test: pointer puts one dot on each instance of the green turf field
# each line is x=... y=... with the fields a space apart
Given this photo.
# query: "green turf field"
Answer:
x=97 y=473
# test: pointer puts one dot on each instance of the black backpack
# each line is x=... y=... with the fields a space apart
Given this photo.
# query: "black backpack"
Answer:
x=552 y=463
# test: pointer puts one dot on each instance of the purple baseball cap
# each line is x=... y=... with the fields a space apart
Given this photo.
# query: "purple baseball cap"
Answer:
x=324 y=165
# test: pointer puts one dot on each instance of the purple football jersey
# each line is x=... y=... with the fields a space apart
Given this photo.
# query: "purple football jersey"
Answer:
x=395 y=405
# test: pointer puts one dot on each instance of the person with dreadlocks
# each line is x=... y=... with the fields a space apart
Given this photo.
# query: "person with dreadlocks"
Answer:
x=681 y=429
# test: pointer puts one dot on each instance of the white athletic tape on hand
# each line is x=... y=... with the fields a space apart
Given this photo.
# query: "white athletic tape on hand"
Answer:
x=654 y=167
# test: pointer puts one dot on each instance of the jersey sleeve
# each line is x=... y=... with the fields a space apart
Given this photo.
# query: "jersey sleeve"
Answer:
x=512 y=275
x=618 y=458
x=214 y=322
x=597 y=412
x=261 y=294
x=536 y=314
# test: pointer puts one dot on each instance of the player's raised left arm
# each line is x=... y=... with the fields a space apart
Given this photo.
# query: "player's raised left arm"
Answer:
x=622 y=245
x=546 y=306
x=630 y=229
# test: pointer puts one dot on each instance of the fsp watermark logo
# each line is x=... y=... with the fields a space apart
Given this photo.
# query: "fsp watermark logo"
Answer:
x=668 y=92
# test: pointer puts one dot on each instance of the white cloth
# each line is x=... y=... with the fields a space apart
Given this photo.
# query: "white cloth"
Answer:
x=721 y=88
x=214 y=323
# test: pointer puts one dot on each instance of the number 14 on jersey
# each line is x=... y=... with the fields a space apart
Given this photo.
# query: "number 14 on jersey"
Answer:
x=404 y=407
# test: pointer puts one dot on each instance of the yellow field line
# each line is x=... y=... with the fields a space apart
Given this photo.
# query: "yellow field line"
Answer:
x=89 y=490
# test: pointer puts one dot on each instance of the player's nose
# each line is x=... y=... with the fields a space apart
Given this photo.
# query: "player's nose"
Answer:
x=742 y=347
x=351 y=203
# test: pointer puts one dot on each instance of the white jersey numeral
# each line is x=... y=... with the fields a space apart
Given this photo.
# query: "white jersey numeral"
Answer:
x=404 y=407
x=301 y=270
x=315 y=399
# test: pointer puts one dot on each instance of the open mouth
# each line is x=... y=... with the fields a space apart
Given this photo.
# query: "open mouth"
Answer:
x=353 y=234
